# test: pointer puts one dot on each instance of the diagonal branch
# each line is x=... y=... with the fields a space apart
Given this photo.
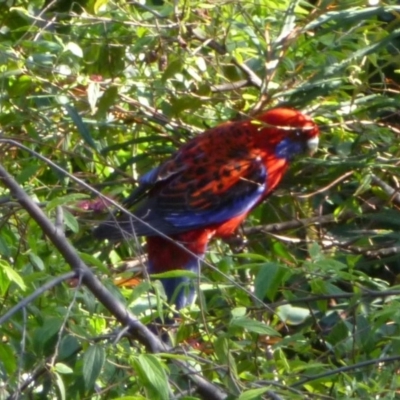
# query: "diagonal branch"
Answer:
x=143 y=334
x=346 y=369
x=38 y=292
x=136 y=328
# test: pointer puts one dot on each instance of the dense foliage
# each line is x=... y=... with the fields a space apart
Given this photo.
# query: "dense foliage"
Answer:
x=303 y=302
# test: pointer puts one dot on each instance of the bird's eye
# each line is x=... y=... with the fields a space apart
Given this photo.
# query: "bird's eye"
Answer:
x=297 y=133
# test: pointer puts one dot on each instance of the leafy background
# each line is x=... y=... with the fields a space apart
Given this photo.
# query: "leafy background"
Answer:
x=303 y=303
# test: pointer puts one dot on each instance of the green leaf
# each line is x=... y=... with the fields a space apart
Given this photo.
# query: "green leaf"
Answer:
x=4 y=247
x=37 y=261
x=222 y=349
x=182 y=104
x=315 y=251
x=173 y=68
x=347 y=16
x=253 y=257
x=98 y=4
x=93 y=261
x=60 y=385
x=93 y=361
x=82 y=128
x=293 y=315
x=152 y=376
x=63 y=369
x=253 y=325
x=93 y=91
x=75 y=49
x=107 y=100
x=238 y=312
x=70 y=221
x=69 y=199
x=8 y=359
x=45 y=336
x=177 y=273
x=225 y=357
x=339 y=332
x=269 y=280
x=8 y=275
x=253 y=393
x=28 y=172
x=69 y=345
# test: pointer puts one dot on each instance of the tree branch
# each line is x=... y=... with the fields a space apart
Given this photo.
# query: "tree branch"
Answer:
x=38 y=292
x=296 y=223
x=142 y=333
x=345 y=369
x=392 y=193
x=136 y=328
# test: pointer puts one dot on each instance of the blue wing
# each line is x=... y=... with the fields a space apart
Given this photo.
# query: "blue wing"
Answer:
x=194 y=197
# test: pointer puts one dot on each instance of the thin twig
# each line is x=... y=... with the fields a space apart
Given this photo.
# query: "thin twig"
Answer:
x=327 y=187
x=226 y=87
x=38 y=292
x=392 y=193
x=345 y=369
x=336 y=296
x=293 y=224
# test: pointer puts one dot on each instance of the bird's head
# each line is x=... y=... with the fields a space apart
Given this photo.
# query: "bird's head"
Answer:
x=289 y=131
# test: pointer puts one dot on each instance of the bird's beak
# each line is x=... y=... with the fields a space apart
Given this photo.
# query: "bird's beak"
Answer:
x=312 y=145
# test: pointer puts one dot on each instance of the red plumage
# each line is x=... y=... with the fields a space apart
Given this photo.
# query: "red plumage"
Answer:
x=207 y=188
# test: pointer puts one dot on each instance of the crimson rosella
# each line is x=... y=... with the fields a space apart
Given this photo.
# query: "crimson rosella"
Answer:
x=207 y=188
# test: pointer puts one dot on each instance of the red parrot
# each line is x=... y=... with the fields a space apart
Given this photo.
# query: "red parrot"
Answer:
x=207 y=188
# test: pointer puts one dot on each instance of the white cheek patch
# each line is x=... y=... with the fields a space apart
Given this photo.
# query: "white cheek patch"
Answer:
x=312 y=143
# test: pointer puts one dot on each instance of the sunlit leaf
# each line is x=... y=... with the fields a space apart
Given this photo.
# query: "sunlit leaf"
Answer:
x=10 y=275
x=60 y=385
x=75 y=49
x=292 y=315
x=152 y=375
x=253 y=394
x=63 y=369
x=253 y=325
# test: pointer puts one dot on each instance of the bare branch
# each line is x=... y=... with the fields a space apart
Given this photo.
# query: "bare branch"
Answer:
x=142 y=333
x=296 y=223
x=137 y=329
x=392 y=193
x=372 y=294
x=38 y=292
x=226 y=87
x=345 y=369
